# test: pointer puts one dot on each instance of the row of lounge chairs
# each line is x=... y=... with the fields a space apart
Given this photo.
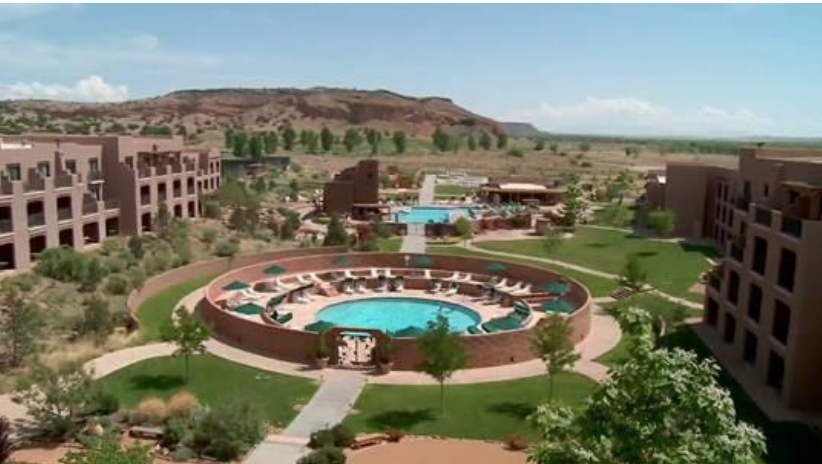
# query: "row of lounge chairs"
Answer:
x=516 y=319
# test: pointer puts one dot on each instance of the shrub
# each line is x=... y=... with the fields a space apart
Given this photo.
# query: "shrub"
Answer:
x=174 y=431
x=211 y=210
x=96 y=318
x=105 y=403
x=153 y=409
x=183 y=454
x=229 y=430
x=395 y=435
x=368 y=243
x=516 y=153
x=111 y=246
x=320 y=439
x=117 y=284
x=5 y=439
x=516 y=443
x=182 y=404
x=338 y=436
x=227 y=248
x=208 y=236
x=325 y=455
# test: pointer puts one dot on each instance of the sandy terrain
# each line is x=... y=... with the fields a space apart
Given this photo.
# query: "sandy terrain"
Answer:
x=431 y=451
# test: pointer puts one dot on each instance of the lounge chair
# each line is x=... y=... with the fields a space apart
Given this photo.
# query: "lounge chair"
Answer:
x=374 y=273
x=388 y=272
x=436 y=286
x=348 y=274
x=452 y=276
x=525 y=290
x=303 y=280
x=348 y=288
x=399 y=284
x=501 y=284
x=453 y=289
x=474 y=330
x=427 y=274
x=495 y=298
x=467 y=277
x=382 y=286
x=279 y=283
x=359 y=286
x=313 y=276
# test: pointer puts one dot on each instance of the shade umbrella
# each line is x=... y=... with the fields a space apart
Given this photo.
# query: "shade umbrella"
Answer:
x=276 y=300
x=236 y=285
x=497 y=267
x=275 y=269
x=422 y=261
x=250 y=309
x=557 y=306
x=557 y=287
x=340 y=260
x=410 y=331
x=319 y=326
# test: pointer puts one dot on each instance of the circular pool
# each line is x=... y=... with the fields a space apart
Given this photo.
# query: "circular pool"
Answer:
x=400 y=316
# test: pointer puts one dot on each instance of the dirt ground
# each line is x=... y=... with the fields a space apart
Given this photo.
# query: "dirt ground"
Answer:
x=433 y=451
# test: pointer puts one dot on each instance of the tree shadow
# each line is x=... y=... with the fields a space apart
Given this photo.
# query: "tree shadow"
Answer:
x=401 y=419
x=646 y=254
x=162 y=382
x=597 y=245
x=517 y=410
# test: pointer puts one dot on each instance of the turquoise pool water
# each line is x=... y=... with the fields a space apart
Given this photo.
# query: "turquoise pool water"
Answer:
x=425 y=215
x=394 y=314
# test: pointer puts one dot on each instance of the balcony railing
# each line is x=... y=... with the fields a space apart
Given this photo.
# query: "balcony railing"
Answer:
x=95 y=176
x=177 y=168
x=792 y=226
x=763 y=216
x=737 y=253
x=35 y=184
x=742 y=203
x=162 y=196
x=144 y=172
x=178 y=192
x=6 y=226
x=63 y=214
x=37 y=219
x=89 y=207
x=161 y=170
x=191 y=167
x=112 y=203
x=62 y=180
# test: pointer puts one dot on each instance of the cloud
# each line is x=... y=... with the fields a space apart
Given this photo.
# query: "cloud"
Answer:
x=91 y=88
x=10 y=12
x=631 y=115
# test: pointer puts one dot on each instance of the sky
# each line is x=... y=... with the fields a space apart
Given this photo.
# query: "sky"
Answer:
x=696 y=70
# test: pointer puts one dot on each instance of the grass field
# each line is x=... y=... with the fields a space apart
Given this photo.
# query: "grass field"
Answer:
x=596 y=285
x=389 y=244
x=155 y=312
x=446 y=191
x=488 y=411
x=672 y=267
x=213 y=381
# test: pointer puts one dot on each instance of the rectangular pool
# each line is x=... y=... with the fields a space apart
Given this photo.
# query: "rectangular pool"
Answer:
x=427 y=215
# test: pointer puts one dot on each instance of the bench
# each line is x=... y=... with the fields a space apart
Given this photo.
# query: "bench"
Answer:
x=368 y=440
x=155 y=433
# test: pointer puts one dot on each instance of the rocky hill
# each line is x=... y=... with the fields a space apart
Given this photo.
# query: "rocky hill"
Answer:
x=520 y=129
x=202 y=111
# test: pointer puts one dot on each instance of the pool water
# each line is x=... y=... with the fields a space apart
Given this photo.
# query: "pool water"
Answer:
x=394 y=314
x=425 y=215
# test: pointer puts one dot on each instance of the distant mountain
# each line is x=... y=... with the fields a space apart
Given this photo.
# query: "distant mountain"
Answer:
x=520 y=129
x=198 y=111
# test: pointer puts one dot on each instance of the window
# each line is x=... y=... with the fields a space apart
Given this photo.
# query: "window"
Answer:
x=44 y=168
x=733 y=288
x=760 y=257
x=776 y=371
x=787 y=269
x=730 y=329
x=71 y=166
x=712 y=313
x=781 y=322
x=94 y=166
x=13 y=172
x=765 y=190
x=749 y=352
x=754 y=302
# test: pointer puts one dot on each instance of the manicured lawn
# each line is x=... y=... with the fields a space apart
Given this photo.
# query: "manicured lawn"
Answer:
x=672 y=267
x=155 y=312
x=451 y=190
x=389 y=244
x=214 y=381
x=489 y=411
x=787 y=442
x=596 y=285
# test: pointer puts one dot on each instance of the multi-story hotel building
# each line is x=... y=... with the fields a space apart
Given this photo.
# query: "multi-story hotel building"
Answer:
x=763 y=303
x=77 y=190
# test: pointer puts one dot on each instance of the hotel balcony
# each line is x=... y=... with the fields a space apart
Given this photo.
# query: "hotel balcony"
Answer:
x=90 y=207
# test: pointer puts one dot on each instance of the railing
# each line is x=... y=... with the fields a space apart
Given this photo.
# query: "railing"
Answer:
x=161 y=170
x=95 y=176
x=89 y=207
x=162 y=196
x=37 y=219
x=178 y=192
x=35 y=184
x=63 y=214
x=737 y=253
x=5 y=187
x=792 y=226
x=191 y=167
x=62 y=180
x=112 y=203
x=742 y=203
x=177 y=168
x=763 y=216
x=6 y=226
x=144 y=172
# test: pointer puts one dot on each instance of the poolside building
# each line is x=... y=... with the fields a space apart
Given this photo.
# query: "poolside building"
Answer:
x=75 y=191
x=354 y=191
x=762 y=303
x=521 y=191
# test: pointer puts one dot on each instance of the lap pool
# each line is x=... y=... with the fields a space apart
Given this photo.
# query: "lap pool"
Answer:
x=425 y=215
x=397 y=314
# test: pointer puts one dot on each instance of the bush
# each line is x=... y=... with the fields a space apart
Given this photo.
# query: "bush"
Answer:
x=183 y=454
x=228 y=431
x=117 y=284
x=320 y=439
x=395 y=435
x=211 y=210
x=227 y=248
x=106 y=403
x=368 y=243
x=516 y=443
x=338 y=436
x=516 y=153
x=208 y=236
x=96 y=318
x=182 y=404
x=326 y=455
x=111 y=246
x=174 y=431
x=5 y=439
x=154 y=410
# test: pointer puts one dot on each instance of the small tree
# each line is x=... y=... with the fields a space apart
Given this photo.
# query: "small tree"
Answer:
x=573 y=203
x=255 y=147
x=336 y=234
x=485 y=141
x=189 y=333
x=96 y=318
x=400 y=141
x=464 y=229
x=270 y=143
x=502 y=141
x=294 y=189
x=107 y=450
x=440 y=139
x=540 y=144
x=351 y=139
x=633 y=273
x=374 y=137
x=326 y=139
x=289 y=138
x=208 y=236
x=552 y=343
x=21 y=324
x=551 y=240
x=662 y=222
x=443 y=352
x=135 y=245
x=472 y=143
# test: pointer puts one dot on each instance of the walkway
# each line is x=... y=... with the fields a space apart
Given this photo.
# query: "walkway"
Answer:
x=414 y=239
x=429 y=184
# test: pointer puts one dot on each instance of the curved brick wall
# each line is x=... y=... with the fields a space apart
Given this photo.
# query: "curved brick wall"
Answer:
x=298 y=346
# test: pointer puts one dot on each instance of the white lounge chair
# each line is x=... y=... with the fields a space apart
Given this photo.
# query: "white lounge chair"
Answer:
x=452 y=290
x=279 y=283
x=382 y=287
x=466 y=278
x=388 y=272
x=300 y=298
x=501 y=284
x=374 y=273
x=303 y=280
x=436 y=286
x=399 y=285
x=525 y=290
x=427 y=274
x=316 y=279
x=452 y=276
x=348 y=289
x=359 y=286
x=348 y=274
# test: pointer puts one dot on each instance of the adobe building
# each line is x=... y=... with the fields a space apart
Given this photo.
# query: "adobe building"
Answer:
x=763 y=301
x=75 y=191
x=521 y=190
x=354 y=191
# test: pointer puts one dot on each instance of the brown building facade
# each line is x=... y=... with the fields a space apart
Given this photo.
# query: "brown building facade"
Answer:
x=355 y=191
x=763 y=301
x=75 y=191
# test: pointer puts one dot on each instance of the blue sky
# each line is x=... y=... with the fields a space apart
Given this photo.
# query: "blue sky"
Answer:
x=634 y=69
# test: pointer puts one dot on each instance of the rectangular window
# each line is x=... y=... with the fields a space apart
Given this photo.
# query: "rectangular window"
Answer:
x=44 y=168
x=94 y=166
x=71 y=166
x=712 y=313
x=760 y=257
x=781 y=322
x=787 y=269
x=730 y=329
x=13 y=172
x=754 y=302
x=749 y=353
x=733 y=288
x=766 y=190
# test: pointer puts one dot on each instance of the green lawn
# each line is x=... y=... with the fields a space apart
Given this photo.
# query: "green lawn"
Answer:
x=672 y=267
x=788 y=442
x=155 y=312
x=214 y=381
x=451 y=190
x=488 y=411
x=389 y=244
x=615 y=215
x=596 y=285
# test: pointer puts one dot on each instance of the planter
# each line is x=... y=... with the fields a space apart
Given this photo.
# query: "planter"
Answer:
x=321 y=363
x=384 y=368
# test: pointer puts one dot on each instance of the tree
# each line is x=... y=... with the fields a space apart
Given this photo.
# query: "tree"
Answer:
x=163 y=220
x=440 y=139
x=189 y=333
x=336 y=234
x=633 y=274
x=551 y=240
x=96 y=318
x=270 y=143
x=373 y=137
x=464 y=228
x=289 y=137
x=585 y=147
x=618 y=187
x=294 y=190
x=21 y=323
x=502 y=141
x=59 y=400
x=472 y=143
x=553 y=344
x=107 y=450
x=662 y=405
x=400 y=141
x=662 y=222
x=540 y=144
x=229 y=137
x=485 y=141
x=573 y=203
x=554 y=147
x=208 y=236
x=443 y=353
x=326 y=139
x=255 y=147
x=352 y=139
x=239 y=143
x=135 y=245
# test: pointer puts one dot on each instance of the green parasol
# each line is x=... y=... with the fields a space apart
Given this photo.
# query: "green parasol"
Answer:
x=557 y=306
x=275 y=269
x=557 y=287
x=236 y=285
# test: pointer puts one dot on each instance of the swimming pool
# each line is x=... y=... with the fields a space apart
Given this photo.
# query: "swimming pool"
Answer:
x=425 y=215
x=396 y=314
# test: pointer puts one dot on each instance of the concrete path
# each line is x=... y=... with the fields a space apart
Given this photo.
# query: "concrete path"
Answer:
x=414 y=239
x=427 y=190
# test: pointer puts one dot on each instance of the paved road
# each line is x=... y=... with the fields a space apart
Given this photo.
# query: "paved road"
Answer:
x=427 y=190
